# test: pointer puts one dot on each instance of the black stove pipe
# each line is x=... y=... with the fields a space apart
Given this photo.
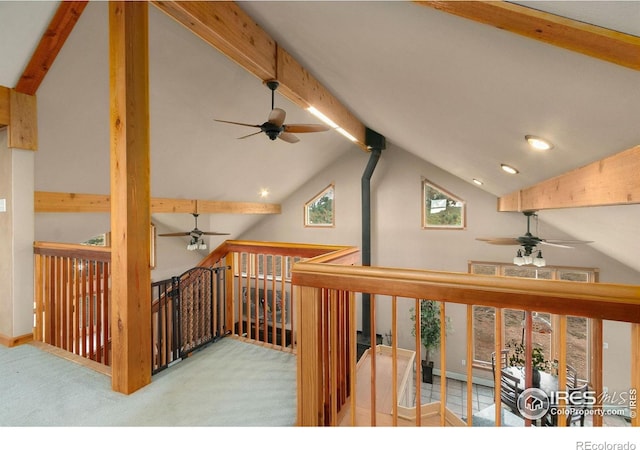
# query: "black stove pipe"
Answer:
x=376 y=143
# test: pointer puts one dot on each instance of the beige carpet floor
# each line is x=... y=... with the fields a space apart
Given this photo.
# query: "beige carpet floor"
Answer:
x=229 y=383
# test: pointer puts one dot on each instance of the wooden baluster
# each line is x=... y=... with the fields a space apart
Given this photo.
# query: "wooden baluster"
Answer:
x=498 y=371
x=443 y=364
x=78 y=308
x=470 y=365
x=64 y=301
x=98 y=293
x=418 y=343
x=394 y=359
x=333 y=355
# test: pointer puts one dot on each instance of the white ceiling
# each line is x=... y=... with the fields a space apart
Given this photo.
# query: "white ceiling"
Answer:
x=454 y=92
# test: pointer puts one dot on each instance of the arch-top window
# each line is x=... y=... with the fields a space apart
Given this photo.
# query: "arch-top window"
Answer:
x=441 y=209
x=319 y=211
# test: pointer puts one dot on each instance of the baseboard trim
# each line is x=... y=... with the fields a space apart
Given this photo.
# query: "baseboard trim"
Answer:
x=15 y=341
x=80 y=360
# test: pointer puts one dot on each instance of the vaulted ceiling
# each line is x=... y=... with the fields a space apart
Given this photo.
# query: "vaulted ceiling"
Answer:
x=456 y=92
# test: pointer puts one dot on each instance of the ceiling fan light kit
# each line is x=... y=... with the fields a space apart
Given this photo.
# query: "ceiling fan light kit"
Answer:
x=196 y=244
x=524 y=259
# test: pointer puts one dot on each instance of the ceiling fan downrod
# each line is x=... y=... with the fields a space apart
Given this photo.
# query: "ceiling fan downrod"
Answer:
x=273 y=85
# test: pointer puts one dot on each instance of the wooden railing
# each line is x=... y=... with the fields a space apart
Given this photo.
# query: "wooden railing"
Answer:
x=261 y=306
x=72 y=311
x=325 y=289
x=72 y=293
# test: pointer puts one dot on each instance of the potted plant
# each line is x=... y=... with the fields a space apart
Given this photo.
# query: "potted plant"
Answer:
x=429 y=333
x=538 y=361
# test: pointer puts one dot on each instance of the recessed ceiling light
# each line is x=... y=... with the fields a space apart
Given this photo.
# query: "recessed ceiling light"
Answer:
x=264 y=193
x=509 y=169
x=478 y=182
x=538 y=143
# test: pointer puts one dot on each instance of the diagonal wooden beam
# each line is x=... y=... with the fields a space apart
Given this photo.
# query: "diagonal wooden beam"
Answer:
x=610 y=181
x=50 y=44
x=226 y=27
x=609 y=45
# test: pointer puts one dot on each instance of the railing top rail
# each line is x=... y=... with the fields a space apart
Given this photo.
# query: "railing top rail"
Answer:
x=272 y=248
x=283 y=248
x=345 y=255
x=598 y=300
x=96 y=253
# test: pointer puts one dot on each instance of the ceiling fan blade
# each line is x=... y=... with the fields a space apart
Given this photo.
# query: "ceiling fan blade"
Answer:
x=248 y=135
x=566 y=241
x=238 y=123
x=500 y=241
x=214 y=233
x=288 y=137
x=543 y=242
x=186 y=233
x=276 y=117
x=305 y=128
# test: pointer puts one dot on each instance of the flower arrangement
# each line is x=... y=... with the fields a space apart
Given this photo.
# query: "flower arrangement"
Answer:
x=517 y=358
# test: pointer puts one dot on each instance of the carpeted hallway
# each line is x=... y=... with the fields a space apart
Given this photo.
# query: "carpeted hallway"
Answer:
x=229 y=383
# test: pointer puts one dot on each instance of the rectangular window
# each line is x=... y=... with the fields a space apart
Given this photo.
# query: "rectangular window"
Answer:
x=543 y=323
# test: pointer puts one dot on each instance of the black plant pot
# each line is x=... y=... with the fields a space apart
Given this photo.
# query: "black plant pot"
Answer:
x=427 y=372
x=536 y=378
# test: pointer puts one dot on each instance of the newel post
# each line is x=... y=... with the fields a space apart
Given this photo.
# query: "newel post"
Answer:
x=309 y=370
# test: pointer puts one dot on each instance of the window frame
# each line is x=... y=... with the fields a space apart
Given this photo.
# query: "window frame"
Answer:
x=307 y=221
x=430 y=226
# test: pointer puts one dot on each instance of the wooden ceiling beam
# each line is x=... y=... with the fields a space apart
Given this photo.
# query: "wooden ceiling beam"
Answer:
x=602 y=43
x=5 y=111
x=610 y=181
x=18 y=112
x=220 y=207
x=69 y=202
x=226 y=27
x=50 y=44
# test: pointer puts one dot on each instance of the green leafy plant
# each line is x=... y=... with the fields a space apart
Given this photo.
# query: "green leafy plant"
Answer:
x=517 y=358
x=429 y=325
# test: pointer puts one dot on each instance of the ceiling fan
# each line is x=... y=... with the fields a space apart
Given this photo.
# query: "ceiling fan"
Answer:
x=529 y=244
x=275 y=127
x=196 y=243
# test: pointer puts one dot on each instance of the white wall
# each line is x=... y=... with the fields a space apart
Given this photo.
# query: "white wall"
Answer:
x=16 y=240
x=398 y=240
